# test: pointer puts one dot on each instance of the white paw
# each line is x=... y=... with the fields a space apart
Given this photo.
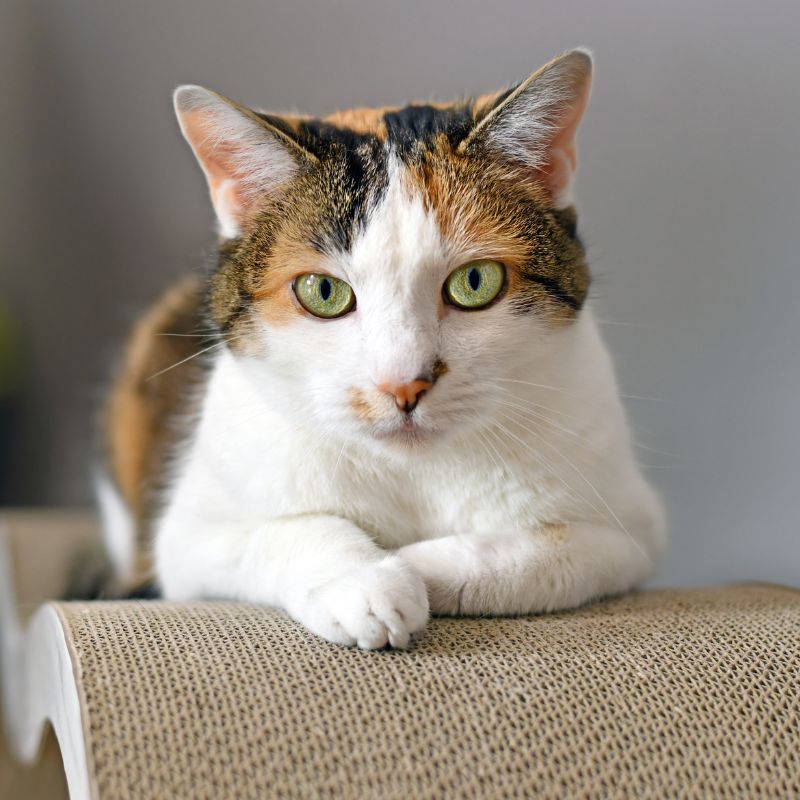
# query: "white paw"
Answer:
x=371 y=606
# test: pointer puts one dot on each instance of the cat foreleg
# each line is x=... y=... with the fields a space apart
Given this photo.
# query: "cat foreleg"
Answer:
x=323 y=570
x=549 y=568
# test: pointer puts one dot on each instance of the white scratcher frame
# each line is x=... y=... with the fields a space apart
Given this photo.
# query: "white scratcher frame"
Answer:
x=38 y=683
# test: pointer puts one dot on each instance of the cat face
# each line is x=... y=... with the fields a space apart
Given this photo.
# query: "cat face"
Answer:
x=382 y=270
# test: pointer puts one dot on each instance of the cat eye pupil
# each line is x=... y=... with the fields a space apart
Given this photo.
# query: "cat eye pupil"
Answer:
x=323 y=295
x=476 y=284
x=325 y=288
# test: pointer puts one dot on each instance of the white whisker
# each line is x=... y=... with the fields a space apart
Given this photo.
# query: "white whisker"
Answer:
x=338 y=460
x=184 y=360
x=548 y=465
x=485 y=442
x=592 y=487
x=536 y=385
x=211 y=335
x=532 y=415
x=541 y=406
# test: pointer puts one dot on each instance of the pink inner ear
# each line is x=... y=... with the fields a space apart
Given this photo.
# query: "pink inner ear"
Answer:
x=558 y=170
x=219 y=165
x=229 y=200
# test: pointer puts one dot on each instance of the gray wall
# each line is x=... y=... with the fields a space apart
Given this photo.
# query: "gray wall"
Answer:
x=689 y=193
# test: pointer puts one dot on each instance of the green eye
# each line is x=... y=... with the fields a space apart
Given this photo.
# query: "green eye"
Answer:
x=476 y=284
x=323 y=295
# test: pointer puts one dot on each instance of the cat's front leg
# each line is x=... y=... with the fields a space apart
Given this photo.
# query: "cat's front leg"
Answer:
x=323 y=570
x=549 y=568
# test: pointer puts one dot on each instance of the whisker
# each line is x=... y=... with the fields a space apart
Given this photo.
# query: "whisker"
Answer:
x=531 y=414
x=543 y=462
x=551 y=468
x=184 y=360
x=496 y=449
x=543 y=407
x=627 y=324
x=533 y=417
x=531 y=383
x=594 y=490
x=549 y=465
x=660 y=452
x=210 y=335
x=485 y=442
x=338 y=459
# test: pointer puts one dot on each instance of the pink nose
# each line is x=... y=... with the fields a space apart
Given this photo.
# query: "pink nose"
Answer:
x=406 y=395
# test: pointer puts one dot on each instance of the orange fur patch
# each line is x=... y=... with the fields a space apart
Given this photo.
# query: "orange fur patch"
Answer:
x=361 y=120
x=139 y=413
x=361 y=406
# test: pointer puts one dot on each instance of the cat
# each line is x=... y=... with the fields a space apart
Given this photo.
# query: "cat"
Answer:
x=402 y=405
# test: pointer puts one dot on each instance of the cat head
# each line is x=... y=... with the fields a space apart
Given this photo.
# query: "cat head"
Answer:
x=381 y=270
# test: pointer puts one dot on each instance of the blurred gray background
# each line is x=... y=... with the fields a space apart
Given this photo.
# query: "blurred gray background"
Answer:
x=689 y=195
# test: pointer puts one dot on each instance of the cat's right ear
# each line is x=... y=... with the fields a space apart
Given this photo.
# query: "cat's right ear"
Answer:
x=243 y=157
x=534 y=125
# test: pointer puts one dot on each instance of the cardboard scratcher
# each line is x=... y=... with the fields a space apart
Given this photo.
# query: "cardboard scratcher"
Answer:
x=690 y=693
x=37 y=555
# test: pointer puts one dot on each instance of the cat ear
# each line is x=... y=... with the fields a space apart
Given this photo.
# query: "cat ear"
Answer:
x=535 y=124
x=243 y=156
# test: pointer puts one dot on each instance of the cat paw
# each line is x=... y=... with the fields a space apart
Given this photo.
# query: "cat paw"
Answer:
x=371 y=606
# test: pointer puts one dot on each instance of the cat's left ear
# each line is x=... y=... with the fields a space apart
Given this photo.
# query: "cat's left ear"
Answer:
x=534 y=126
x=243 y=156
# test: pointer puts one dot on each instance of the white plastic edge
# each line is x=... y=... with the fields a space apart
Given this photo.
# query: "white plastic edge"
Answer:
x=38 y=683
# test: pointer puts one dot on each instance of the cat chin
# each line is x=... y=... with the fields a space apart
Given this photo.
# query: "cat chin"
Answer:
x=411 y=438
x=403 y=438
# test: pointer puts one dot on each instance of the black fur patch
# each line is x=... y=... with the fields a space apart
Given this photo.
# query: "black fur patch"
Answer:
x=353 y=182
x=555 y=289
x=414 y=126
x=321 y=138
x=567 y=218
x=352 y=172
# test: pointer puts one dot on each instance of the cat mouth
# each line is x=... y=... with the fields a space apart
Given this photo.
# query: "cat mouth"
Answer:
x=406 y=431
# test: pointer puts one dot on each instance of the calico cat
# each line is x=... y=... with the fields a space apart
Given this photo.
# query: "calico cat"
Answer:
x=402 y=404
